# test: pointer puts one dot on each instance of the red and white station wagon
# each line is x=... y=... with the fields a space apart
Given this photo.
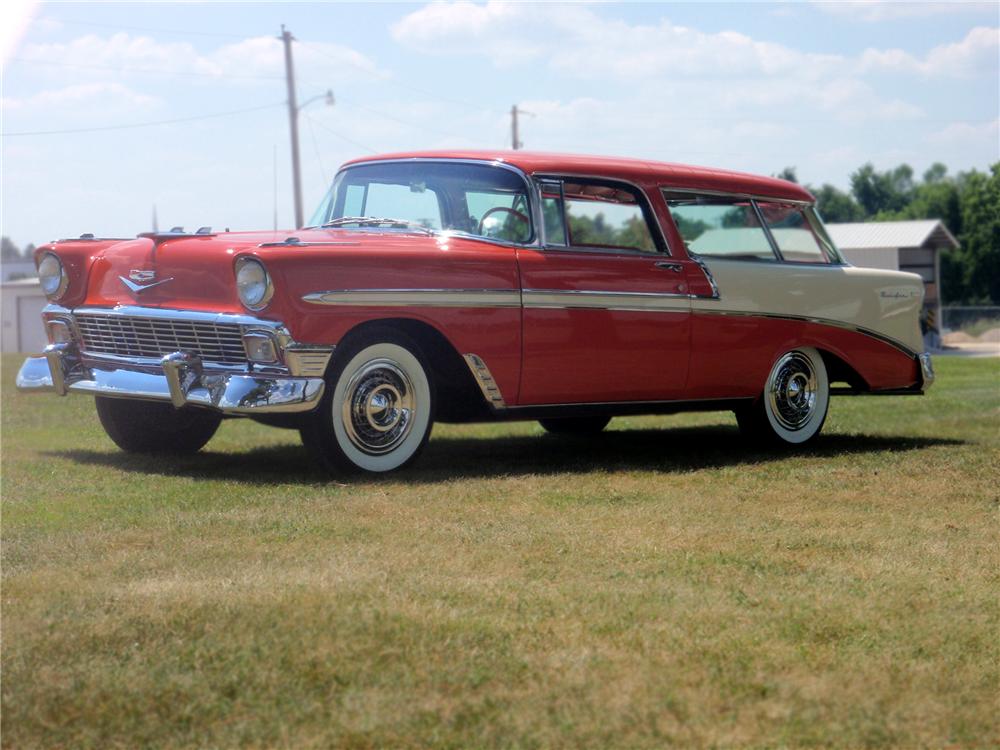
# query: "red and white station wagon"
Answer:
x=475 y=286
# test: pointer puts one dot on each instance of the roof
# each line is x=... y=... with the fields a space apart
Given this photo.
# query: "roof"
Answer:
x=635 y=170
x=869 y=235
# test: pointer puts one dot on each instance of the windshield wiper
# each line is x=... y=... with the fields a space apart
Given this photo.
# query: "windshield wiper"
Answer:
x=371 y=221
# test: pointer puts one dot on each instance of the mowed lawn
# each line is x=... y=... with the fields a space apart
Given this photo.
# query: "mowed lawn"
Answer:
x=661 y=585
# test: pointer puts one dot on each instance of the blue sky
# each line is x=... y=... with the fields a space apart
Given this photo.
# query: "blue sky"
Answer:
x=823 y=87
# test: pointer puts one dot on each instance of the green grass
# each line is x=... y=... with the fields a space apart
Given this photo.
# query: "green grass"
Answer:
x=661 y=585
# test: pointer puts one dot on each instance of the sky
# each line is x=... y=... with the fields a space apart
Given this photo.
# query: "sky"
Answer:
x=754 y=86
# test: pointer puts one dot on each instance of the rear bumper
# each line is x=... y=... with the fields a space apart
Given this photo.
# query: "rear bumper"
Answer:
x=926 y=371
x=179 y=379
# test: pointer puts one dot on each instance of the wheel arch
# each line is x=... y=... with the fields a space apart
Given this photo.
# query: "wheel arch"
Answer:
x=459 y=398
x=838 y=369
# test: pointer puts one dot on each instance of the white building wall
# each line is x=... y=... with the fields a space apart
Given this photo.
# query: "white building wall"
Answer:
x=886 y=258
x=21 y=329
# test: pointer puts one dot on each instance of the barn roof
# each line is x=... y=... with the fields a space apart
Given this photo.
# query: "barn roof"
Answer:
x=869 y=235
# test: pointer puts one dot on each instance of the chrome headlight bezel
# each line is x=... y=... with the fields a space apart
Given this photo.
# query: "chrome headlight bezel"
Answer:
x=252 y=276
x=58 y=278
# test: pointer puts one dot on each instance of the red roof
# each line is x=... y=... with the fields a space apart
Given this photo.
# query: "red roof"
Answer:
x=637 y=170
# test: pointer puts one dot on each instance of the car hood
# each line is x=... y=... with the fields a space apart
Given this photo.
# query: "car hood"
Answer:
x=196 y=271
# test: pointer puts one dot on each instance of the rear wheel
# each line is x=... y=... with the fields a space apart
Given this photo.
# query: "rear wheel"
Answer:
x=793 y=406
x=150 y=427
x=575 y=425
x=377 y=412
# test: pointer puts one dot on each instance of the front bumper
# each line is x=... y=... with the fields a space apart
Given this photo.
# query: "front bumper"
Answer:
x=179 y=379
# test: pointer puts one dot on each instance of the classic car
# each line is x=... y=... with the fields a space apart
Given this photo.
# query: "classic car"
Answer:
x=474 y=286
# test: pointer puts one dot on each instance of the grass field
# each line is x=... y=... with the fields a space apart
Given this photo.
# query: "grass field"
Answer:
x=661 y=585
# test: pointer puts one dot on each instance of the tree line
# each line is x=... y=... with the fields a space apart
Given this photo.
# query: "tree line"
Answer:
x=968 y=203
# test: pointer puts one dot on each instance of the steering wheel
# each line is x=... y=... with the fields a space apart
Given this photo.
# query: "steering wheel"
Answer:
x=495 y=209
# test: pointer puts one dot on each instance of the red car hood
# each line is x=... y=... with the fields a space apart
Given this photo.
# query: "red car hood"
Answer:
x=196 y=272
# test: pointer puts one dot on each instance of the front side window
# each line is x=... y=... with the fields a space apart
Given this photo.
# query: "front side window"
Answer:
x=719 y=227
x=596 y=215
x=479 y=200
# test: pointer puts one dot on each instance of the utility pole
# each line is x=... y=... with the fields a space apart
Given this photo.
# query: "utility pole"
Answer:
x=293 y=124
x=515 y=140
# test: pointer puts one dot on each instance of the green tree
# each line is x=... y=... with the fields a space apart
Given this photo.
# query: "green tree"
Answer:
x=837 y=206
x=978 y=258
x=788 y=173
x=8 y=250
x=883 y=191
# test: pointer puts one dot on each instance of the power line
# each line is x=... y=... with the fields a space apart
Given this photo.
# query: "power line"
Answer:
x=409 y=88
x=162 y=71
x=341 y=136
x=141 y=124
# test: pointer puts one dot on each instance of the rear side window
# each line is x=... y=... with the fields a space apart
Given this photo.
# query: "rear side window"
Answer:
x=719 y=227
x=596 y=215
x=793 y=234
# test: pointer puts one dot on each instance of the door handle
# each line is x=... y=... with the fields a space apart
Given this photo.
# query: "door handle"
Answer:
x=668 y=266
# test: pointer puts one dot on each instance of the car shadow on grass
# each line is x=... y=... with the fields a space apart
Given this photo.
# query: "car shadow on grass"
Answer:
x=448 y=458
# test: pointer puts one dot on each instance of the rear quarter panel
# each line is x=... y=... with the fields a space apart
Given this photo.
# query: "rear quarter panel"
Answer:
x=867 y=317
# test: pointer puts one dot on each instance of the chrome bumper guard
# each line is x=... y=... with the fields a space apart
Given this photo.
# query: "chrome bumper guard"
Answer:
x=182 y=382
x=926 y=370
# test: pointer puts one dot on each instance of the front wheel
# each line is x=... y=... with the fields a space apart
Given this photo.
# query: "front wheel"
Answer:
x=149 y=427
x=377 y=412
x=793 y=406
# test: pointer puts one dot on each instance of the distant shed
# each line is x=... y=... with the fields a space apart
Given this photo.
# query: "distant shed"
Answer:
x=913 y=246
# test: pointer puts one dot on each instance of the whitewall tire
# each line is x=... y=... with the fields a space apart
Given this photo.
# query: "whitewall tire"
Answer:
x=793 y=406
x=377 y=413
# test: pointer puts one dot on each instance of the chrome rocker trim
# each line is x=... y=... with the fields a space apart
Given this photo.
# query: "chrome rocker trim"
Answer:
x=182 y=382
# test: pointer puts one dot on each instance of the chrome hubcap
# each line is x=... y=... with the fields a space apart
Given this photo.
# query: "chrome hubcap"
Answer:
x=379 y=406
x=792 y=391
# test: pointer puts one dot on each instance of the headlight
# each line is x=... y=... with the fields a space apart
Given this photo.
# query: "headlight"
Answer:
x=53 y=276
x=253 y=283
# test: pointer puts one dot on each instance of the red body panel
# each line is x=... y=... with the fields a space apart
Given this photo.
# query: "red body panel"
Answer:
x=581 y=355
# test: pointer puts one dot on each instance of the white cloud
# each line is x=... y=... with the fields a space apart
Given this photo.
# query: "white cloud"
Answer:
x=108 y=96
x=894 y=10
x=579 y=42
x=710 y=72
x=979 y=51
x=965 y=132
x=241 y=61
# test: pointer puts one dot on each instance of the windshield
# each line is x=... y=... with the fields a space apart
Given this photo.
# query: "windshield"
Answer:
x=474 y=199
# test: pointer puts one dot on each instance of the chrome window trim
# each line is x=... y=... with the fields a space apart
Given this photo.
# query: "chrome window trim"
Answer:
x=658 y=230
x=532 y=197
x=708 y=275
x=730 y=194
x=767 y=232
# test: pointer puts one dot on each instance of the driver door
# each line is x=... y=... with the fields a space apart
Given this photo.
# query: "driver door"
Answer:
x=606 y=312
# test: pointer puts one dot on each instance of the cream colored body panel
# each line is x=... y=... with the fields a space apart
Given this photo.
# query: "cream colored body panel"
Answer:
x=884 y=302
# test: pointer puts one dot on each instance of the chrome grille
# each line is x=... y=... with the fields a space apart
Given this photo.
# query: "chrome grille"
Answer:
x=132 y=336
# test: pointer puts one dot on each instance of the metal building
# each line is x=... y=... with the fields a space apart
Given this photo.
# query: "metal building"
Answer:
x=913 y=246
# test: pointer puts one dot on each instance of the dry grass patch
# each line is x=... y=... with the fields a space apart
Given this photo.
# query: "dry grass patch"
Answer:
x=653 y=587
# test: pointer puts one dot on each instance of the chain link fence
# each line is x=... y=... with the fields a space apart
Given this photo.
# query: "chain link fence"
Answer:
x=972 y=321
